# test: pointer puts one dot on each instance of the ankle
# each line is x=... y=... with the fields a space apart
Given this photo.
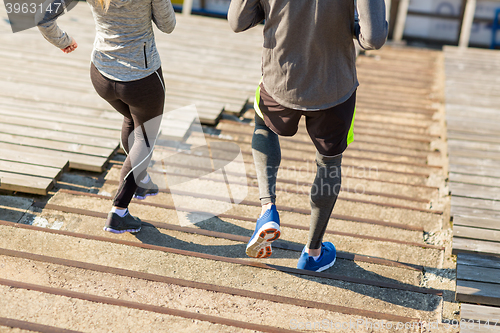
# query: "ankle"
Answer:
x=313 y=252
x=265 y=208
x=119 y=211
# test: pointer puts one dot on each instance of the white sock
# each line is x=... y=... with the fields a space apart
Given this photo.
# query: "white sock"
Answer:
x=146 y=179
x=120 y=212
x=316 y=257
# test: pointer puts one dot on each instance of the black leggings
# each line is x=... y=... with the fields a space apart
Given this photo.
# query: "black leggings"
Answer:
x=139 y=102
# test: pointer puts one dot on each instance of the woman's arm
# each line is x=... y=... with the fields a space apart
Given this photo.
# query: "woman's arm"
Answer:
x=164 y=15
x=245 y=14
x=46 y=23
x=373 y=28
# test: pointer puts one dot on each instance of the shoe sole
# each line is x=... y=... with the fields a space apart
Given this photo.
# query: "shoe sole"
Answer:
x=260 y=246
x=121 y=231
x=144 y=197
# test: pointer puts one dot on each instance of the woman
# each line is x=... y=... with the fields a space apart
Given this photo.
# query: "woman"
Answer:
x=126 y=72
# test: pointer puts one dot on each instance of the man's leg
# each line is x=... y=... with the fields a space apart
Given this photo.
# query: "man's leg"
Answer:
x=318 y=256
x=324 y=193
x=330 y=131
x=267 y=158
x=266 y=153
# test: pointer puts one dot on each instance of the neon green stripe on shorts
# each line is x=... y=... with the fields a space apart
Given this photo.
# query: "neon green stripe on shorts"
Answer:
x=350 y=135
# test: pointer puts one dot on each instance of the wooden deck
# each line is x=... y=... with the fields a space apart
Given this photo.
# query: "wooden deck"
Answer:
x=171 y=278
x=51 y=118
x=473 y=117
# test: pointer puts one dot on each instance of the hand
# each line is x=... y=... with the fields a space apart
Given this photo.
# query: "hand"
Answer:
x=70 y=48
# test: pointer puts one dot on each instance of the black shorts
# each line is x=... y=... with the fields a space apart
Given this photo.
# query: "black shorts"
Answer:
x=330 y=129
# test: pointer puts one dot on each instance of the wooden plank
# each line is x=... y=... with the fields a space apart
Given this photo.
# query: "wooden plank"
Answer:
x=474 y=191
x=480 y=318
x=476 y=111
x=478 y=292
x=32 y=158
x=492 y=205
x=476 y=233
x=479 y=155
x=481 y=313
x=476 y=222
x=106 y=116
x=26 y=184
x=476 y=212
x=490 y=165
x=474 y=126
x=475 y=246
x=56 y=145
x=55 y=135
x=30 y=169
x=458 y=145
x=474 y=170
x=475 y=180
x=473 y=137
x=476 y=328
x=87 y=120
x=478 y=274
x=479 y=260
x=76 y=160
x=66 y=130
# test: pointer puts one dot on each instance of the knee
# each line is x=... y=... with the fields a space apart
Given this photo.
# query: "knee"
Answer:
x=328 y=161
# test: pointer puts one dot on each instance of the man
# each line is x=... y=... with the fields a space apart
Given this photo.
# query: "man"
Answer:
x=308 y=69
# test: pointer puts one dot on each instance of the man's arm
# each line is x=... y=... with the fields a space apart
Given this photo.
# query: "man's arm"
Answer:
x=373 y=27
x=244 y=14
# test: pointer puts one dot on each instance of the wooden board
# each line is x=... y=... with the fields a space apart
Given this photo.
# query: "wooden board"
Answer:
x=25 y=183
x=477 y=170
x=476 y=233
x=492 y=205
x=475 y=246
x=76 y=160
x=33 y=158
x=476 y=222
x=474 y=191
x=478 y=274
x=479 y=260
x=29 y=172
x=478 y=292
x=480 y=314
x=492 y=182
x=476 y=212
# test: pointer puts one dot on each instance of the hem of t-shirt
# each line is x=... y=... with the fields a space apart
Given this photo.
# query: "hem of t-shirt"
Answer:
x=298 y=107
x=108 y=73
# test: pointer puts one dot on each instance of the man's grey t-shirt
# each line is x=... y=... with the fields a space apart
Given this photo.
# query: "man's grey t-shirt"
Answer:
x=308 y=59
x=124 y=46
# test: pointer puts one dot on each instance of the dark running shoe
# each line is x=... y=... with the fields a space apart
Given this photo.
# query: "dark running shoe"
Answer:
x=146 y=190
x=118 y=225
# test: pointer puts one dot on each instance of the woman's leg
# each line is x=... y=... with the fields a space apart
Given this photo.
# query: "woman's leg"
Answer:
x=145 y=99
x=141 y=103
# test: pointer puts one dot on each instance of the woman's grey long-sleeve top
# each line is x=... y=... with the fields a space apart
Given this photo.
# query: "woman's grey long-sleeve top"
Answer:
x=124 y=46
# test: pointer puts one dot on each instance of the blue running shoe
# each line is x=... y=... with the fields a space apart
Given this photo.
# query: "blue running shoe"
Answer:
x=325 y=260
x=266 y=231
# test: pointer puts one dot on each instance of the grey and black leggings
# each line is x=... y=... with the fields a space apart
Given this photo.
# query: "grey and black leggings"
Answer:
x=324 y=192
x=141 y=104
